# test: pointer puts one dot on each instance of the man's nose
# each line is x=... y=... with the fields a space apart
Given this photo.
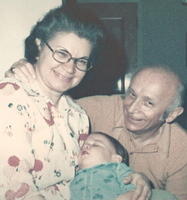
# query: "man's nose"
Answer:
x=134 y=106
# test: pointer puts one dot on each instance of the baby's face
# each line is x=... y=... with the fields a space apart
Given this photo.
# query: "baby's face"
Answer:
x=97 y=149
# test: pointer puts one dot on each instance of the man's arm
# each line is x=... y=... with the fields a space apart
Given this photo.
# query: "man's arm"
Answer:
x=102 y=111
x=176 y=164
x=177 y=182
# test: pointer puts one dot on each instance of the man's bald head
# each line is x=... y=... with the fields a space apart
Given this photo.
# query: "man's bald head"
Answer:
x=169 y=79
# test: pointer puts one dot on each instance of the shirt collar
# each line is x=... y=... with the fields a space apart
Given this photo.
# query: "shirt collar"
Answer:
x=161 y=144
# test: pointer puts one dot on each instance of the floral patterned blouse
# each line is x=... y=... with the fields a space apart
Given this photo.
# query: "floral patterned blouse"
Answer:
x=39 y=142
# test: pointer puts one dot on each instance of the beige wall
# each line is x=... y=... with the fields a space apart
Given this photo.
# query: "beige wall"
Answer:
x=16 y=19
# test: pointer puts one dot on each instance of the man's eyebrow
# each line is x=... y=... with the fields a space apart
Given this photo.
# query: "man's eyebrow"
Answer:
x=131 y=90
x=147 y=98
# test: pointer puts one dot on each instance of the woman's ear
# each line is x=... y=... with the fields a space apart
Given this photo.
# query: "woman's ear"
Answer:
x=38 y=43
x=174 y=114
x=116 y=158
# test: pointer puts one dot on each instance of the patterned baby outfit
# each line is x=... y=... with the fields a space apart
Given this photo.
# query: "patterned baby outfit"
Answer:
x=102 y=182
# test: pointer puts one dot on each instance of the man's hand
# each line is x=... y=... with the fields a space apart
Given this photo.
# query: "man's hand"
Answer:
x=143 y=186
x=126 y=196
x=22 y=70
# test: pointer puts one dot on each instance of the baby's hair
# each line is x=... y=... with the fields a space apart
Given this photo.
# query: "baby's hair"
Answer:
x=119 y=148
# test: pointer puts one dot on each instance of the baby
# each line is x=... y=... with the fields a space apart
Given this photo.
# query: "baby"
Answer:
x=102 y=168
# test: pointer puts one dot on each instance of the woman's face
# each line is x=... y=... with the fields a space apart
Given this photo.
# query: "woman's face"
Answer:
x=54 y=77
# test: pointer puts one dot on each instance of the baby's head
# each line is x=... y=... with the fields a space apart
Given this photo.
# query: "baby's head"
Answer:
x=100 y=148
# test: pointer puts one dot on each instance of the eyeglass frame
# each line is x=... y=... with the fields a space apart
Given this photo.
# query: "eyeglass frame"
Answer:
x=70 y=58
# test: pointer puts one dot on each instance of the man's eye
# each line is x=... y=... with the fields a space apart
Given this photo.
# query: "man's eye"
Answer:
x=131 y=94
x=149 y=103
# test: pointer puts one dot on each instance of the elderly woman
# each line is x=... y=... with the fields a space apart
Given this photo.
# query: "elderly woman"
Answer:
x=40 y=125
x=43 y=128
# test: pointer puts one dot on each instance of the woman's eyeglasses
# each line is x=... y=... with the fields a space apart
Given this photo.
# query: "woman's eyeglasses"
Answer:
x=63 y=56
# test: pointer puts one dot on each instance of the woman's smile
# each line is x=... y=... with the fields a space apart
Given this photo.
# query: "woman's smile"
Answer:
x=62 y=76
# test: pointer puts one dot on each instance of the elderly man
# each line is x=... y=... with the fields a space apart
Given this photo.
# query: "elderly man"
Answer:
x=142 y=121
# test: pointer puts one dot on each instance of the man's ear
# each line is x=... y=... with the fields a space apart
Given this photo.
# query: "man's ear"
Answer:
x=174 y=114
x=116 y=158
x=38 y=43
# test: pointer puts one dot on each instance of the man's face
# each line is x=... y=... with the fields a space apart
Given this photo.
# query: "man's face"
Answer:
x=149 y=95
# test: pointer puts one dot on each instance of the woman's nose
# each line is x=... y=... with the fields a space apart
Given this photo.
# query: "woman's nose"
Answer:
x=70 y=66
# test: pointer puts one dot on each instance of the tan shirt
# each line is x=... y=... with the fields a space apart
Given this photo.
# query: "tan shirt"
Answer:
x=163 y=161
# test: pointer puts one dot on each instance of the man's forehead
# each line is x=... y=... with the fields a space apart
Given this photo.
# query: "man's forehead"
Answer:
x=153 y=84
x=149 y=85
x=156 y=76
x=156 y=72
x=147 y=92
